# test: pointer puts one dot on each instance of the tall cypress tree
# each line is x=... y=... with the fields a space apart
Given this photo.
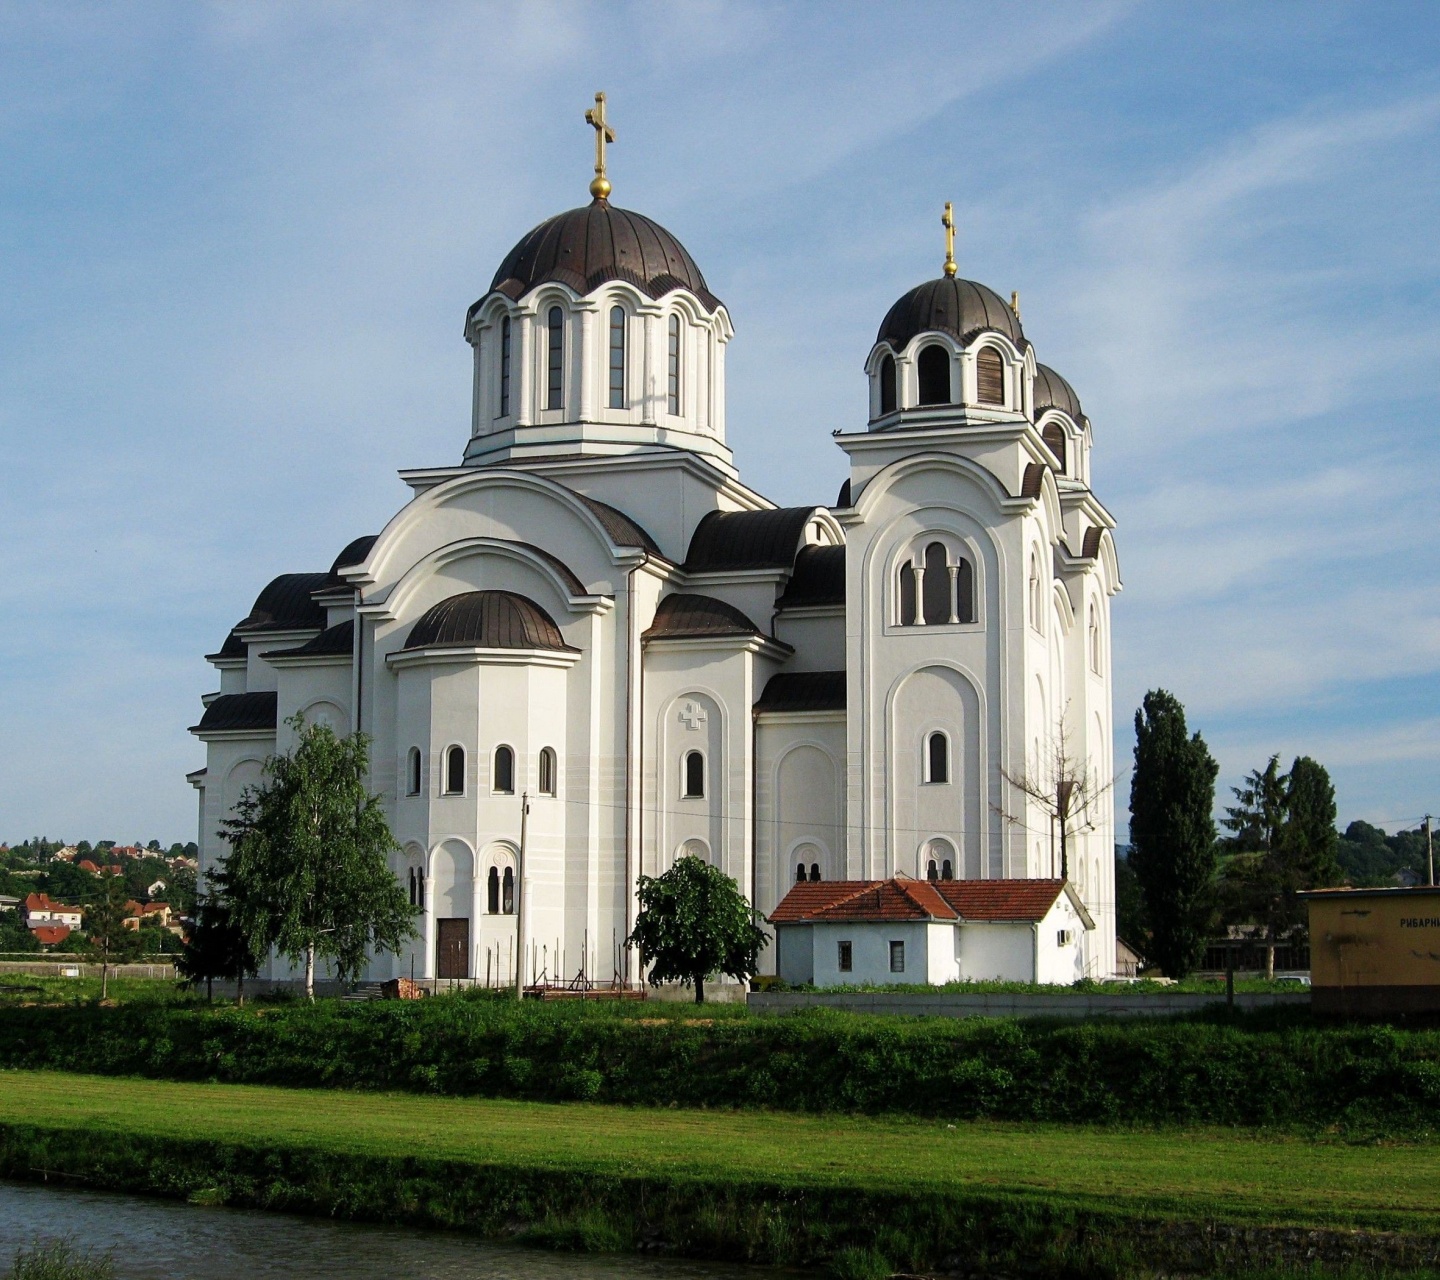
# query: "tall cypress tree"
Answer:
x=1172 y=830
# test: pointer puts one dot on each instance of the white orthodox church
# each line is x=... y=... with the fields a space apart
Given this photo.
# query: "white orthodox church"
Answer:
x=591 y=609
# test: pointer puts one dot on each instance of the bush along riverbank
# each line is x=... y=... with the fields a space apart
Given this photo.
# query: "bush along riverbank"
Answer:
x=847 y=1231
x=1259 y=1071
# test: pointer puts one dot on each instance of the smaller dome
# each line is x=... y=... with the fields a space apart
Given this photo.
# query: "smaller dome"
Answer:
x=961 y=308
x=285 y=604
x=1053 y=392
x=486 y=620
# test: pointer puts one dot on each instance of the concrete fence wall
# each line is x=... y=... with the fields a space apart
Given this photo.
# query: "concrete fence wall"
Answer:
x=61 y=968
x=1017 y=1004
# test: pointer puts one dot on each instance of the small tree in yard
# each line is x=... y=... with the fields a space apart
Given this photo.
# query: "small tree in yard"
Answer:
x=694 y=922
x=308 y=871
x=217 y=947
x=106 y=937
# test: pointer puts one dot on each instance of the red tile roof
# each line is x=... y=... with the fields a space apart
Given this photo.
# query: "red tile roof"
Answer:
x=41 y=902
x=902 y=898
x=50 y=934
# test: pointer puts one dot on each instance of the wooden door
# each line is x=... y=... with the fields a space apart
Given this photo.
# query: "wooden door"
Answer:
x=452 y=948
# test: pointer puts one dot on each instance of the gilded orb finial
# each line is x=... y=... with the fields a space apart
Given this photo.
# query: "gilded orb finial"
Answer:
x=595 y=118
x=948 y=222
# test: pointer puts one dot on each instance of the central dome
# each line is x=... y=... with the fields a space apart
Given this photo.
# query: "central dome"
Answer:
x=961 y=308
x=585 y=247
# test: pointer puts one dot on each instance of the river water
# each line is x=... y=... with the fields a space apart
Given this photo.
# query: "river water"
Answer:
x=166 y=1240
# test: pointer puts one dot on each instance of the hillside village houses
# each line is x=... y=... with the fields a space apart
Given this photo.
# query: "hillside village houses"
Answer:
x=592 y=610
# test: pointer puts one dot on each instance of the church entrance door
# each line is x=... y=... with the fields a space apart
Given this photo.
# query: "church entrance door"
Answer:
x=452 y=948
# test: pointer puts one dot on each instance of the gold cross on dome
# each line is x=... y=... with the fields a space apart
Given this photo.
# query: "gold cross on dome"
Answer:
x=595 y=118
x=948 y=222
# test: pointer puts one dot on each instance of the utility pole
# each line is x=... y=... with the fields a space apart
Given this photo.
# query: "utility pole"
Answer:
x=520 y=900
x=1430 y=847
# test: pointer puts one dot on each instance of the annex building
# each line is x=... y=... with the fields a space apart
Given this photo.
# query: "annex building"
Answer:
x=591 y=608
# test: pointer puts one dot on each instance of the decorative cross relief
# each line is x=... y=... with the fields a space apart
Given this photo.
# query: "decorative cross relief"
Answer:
x=692 y=716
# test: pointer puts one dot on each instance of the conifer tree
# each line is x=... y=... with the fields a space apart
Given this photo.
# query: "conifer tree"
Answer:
x=307 y=871
x=1172 y=831
x=106 y=937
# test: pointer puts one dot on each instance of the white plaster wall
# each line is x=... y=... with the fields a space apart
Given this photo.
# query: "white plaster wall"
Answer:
x=1062 y=965
x=997 y=951
x=817 y=636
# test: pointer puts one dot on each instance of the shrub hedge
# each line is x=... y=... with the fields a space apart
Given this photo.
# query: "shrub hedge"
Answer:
x=1271 y=1070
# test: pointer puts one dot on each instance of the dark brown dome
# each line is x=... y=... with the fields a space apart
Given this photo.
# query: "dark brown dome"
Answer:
x=960 y=308
x=585 y=247
x=1053 y=392
x=486 y=620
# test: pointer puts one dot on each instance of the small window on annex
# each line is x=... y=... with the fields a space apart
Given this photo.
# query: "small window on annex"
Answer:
x=937 y=758
x=990 y=376
x=547 y=771
x=617 y=357
x=492 y=891
x=455 y=771
x=673 y=365
x=555 y=360
x=933 y=371
x=887 y=385
x=503 y=779
x=412 y=772
x=1054 y=437
x=694 y=775
x=897 y=957
x=504 y=368
x=845 y=959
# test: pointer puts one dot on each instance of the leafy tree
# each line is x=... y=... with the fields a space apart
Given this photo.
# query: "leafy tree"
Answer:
x=217 y=948
x=1130 y=921
x=1172 y=831
x=1255 y=821
x=693 y=922
x=1310 y=840
x=307 y=871
x=106 y=937
x=14 y=935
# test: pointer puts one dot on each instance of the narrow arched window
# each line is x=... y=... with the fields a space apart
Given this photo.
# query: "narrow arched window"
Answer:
x=1054 y=437
x=412 y=887
x=815 y=871
x=937 y=758
x=938 y=590
x=907 y=595
x=694 y=775
x=673 y=366
x=555 y=360
x=507 y=892
x=990 y=376
x=1035 y=590
x=932 y=872
x=420 y=887
x=505 y=367
x=799 y=873
x=617 y=357
x=547 y=771
x=1094 y=640
x=947 y=870
x=933 y=371
x=504 y=779
x=964 y=591
x=492 y=891
x=887 y=385
x=455 y=771
x=412 y=772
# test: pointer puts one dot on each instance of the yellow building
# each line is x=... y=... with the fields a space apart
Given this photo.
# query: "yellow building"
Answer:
x=1374 y=950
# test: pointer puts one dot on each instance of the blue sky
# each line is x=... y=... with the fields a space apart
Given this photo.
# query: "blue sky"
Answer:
x=237 y=242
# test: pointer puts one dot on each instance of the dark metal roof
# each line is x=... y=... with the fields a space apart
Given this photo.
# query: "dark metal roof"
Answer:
x=333 y=640
x=586 y=247
x=804 y=691
x=572 y=583
x=285 y=604
x=234 y=647
x=961 y=308
x=487 y=620
x=819 y=578
x=1091 y=546
x=1053 y=392
x=623 y=531
x=239 y=711
x=683 y=615
x=747 y=539
x=1034 y=480
x=844 y=499
x=354 y=553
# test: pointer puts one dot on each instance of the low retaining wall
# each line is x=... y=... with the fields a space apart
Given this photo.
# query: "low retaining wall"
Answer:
x=55 y=969
x=1014 y=1004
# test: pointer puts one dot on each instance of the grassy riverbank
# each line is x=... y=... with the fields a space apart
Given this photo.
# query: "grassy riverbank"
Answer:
x=763 y=1187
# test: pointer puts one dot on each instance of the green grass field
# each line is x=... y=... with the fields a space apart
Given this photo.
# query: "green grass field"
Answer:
x=1189 y=1173
x=26 y=988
